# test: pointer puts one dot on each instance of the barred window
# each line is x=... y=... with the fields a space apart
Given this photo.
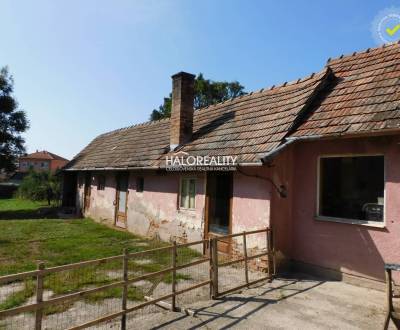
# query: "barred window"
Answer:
x=101 y=182
x=187 y=193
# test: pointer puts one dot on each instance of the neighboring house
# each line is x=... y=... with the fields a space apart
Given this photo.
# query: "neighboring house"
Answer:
x=318 y=160
x=41 y=161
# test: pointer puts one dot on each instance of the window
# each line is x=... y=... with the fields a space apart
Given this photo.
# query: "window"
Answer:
x=352 y=188
x=101 y=182
x=139 y=184
x=187 y=193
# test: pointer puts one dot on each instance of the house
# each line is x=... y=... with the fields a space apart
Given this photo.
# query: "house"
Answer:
x=41 y=161
x=317 y=159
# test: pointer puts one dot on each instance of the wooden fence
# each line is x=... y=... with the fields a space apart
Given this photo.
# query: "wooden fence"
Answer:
x=211 y=257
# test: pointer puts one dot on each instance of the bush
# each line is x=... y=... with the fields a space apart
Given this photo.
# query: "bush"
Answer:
x=39 y=186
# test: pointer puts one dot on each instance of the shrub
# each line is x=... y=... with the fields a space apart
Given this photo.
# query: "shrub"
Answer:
x=39 y=186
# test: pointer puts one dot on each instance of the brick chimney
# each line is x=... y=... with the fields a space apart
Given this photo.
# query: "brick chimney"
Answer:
x=182 y=109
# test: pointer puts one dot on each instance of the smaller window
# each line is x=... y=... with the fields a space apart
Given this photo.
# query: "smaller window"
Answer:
x=101 y=182
x=187 y=193
x=139 y=184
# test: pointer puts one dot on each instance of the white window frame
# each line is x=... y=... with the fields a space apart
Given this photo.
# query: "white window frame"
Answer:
x=378 y=224
x=180 y=192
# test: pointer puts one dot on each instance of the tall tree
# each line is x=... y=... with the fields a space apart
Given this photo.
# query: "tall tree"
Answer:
x=206 y=92
x=13 y=122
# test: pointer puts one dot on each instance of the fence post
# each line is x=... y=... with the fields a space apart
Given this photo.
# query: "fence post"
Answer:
x=269 y=250
x=273 y=252
x=125 y=288
x=214 y=254
x=246 y=266
x=39 y=296
x=208 y=242
x=174 y=254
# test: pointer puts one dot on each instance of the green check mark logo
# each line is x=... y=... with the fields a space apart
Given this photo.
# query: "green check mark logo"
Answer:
x=392 y=31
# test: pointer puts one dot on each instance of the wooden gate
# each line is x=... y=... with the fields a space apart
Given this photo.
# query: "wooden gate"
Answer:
x=241 y=258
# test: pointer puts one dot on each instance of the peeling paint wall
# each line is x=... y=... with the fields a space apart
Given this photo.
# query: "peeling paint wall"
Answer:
x=155 y=212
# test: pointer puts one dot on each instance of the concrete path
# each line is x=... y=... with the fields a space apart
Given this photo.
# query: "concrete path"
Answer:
x=286 y=303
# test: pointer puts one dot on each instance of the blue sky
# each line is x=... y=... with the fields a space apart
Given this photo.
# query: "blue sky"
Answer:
x=82 y=68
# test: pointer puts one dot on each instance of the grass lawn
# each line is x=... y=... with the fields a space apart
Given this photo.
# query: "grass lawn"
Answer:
x=24 y=209
x=24 y=242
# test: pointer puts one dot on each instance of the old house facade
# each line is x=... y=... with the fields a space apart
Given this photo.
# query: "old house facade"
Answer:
x=41 y=161
x=316 y=159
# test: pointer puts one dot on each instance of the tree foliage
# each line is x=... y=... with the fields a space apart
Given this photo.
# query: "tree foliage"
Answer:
x=206 y=92
x=13 y=122
x=39 y=186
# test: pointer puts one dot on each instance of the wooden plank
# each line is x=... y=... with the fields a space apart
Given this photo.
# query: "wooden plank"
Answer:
x=32 y=307
x=19 y=276
x=239 y=234
x=246 y=266
x=134 y=308
x=269 y=250
x=39 y=297
x=142 y=253
x=193 y=263
x=125 y=289
x=81 y=264
x=192 y=243
x=173 y=256
x=228 y=263
x=244 y=285
x=214 y=258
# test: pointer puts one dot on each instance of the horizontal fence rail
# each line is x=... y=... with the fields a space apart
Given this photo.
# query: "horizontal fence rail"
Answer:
x=176 y=261
x=240 y=240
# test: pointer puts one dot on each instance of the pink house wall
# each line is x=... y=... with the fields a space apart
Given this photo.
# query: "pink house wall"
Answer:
x=155 y=212
x=353 y=249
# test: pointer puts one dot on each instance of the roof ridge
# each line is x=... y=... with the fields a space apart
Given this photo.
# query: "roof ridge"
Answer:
x=365 y=51
x=146 y=123
x=269 y=88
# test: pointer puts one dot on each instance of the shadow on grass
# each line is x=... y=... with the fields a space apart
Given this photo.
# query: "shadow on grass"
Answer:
x=30 y=214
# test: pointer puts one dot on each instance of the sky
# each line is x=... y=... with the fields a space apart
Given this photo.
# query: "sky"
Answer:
x=85 y=67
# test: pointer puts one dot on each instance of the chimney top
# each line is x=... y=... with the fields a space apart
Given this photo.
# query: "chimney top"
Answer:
x=183 y=74
x=181 y=128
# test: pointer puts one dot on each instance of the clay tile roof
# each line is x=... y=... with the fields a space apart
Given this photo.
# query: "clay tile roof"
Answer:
x=45 y=155
x=365 y=97
x=358 y=92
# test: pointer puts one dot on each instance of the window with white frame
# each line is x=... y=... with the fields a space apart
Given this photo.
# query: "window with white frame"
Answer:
x=352 y=188
x=187 y=193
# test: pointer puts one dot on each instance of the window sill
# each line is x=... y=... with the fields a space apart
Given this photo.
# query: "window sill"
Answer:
x=374 y=224
x=184 y=210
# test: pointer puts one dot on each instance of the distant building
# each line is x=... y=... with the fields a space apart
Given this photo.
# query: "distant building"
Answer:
x=41 y=161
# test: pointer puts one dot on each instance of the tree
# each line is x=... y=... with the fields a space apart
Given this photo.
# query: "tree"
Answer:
x=39 y=186
x=206 y=92
x=13 y=122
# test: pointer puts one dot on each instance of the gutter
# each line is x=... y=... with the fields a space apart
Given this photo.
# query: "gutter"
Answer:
x=111 y=168
x=288 y=141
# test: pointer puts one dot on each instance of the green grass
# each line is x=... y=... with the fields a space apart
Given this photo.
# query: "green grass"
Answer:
x=15 y=204
x=25 y=242
x=25 y=209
